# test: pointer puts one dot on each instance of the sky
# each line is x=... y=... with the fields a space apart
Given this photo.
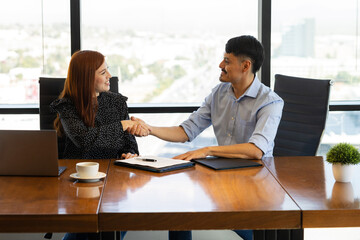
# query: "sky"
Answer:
x=222 y=15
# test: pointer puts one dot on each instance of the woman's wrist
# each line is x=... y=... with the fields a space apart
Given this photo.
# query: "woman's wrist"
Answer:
x=125 y=124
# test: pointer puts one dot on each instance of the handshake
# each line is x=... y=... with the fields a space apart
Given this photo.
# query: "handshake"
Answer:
x=136 y=127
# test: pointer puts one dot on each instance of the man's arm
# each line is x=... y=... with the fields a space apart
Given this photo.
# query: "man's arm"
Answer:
x=243 y=150
x=170 y=134
x=265 y=132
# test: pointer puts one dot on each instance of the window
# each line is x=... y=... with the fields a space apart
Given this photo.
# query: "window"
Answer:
x=151 y=145
x=19 y=121
x=318 y=39
x=340 y=127
x=33 y=43
x=56 y=37
x=165 y=51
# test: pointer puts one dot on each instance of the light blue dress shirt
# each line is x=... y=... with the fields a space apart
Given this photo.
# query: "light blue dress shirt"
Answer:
x=252 y=118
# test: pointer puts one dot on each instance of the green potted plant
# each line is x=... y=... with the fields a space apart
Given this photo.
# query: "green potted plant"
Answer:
x=343 y=156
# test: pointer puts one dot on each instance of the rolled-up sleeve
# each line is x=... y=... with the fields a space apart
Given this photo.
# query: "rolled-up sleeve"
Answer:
x=268 y=119
x=199 y=120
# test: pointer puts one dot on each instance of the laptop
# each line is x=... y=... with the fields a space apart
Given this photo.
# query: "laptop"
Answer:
x=29 y=153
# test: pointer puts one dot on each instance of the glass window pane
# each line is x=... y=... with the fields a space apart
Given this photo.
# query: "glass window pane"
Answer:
x=32 y=44
x=340 y=127
x=21 y=50
x=19 y=122
x=153 y=146
x=165 y=51
x=56 y=38
x=318 y=39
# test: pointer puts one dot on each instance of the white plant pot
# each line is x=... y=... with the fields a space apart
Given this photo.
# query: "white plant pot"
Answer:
x=342 y=172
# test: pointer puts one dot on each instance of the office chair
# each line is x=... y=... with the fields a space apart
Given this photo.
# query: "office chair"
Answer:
x=50 y=89
x=306 y=104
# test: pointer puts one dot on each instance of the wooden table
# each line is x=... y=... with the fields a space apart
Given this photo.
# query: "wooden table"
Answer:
x=50 y=204
x=323 y=202
x=195 y=198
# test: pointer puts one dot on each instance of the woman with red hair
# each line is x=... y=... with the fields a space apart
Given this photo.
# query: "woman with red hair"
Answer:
x=93 y=120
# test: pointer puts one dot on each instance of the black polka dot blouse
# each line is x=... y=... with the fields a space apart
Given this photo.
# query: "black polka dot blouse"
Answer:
x=103 y=141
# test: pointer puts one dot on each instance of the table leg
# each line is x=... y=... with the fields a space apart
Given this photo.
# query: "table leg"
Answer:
x=283 y=234
x=107 y=235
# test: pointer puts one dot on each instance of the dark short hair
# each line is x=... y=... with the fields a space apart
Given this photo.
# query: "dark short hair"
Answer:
x=247 y=46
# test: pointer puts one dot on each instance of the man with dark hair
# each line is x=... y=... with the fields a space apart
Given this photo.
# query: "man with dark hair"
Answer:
x=245 y=113
x=247 y=46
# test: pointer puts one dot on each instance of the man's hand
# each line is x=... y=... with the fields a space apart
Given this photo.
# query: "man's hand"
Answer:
x=138 y=120
x=199 y=153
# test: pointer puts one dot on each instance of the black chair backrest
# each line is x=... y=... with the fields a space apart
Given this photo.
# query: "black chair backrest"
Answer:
x=50 y=89
x=306 y=104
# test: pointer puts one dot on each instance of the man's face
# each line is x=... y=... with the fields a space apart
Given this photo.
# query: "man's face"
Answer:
x=231 y=68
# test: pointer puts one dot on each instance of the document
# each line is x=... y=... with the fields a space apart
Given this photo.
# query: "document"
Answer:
x=154 y=163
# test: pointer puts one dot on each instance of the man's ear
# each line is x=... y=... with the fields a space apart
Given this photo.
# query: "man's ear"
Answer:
x=246 y=65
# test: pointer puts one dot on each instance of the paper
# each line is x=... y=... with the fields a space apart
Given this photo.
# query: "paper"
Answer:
x=161 y=162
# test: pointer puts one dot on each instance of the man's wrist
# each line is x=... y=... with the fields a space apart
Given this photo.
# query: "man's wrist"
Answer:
x=209 y=151
x=152 y=131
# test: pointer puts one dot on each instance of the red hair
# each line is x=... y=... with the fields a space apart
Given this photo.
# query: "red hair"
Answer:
x=80 y=86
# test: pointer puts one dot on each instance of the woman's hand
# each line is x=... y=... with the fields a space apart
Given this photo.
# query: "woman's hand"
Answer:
x=137 y=128
x=128 y=155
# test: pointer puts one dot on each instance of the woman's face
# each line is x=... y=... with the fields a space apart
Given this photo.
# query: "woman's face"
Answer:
x=102 y=77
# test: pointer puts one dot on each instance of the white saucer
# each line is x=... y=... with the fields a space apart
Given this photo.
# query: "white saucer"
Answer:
x=99 y=176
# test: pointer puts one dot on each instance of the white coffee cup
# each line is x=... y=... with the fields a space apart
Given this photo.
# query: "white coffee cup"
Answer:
x=87 y=169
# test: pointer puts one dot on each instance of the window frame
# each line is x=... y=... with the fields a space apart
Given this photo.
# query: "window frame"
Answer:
x=264 y=28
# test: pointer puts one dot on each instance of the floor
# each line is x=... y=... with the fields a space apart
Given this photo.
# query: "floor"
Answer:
x=310 y=234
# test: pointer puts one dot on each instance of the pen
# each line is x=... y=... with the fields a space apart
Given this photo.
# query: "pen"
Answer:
x=148 y=160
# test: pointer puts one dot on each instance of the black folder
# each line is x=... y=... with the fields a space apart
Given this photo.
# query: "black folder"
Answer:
x=219 y=163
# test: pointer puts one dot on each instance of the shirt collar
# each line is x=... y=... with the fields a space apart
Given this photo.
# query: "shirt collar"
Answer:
x=252 y=91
